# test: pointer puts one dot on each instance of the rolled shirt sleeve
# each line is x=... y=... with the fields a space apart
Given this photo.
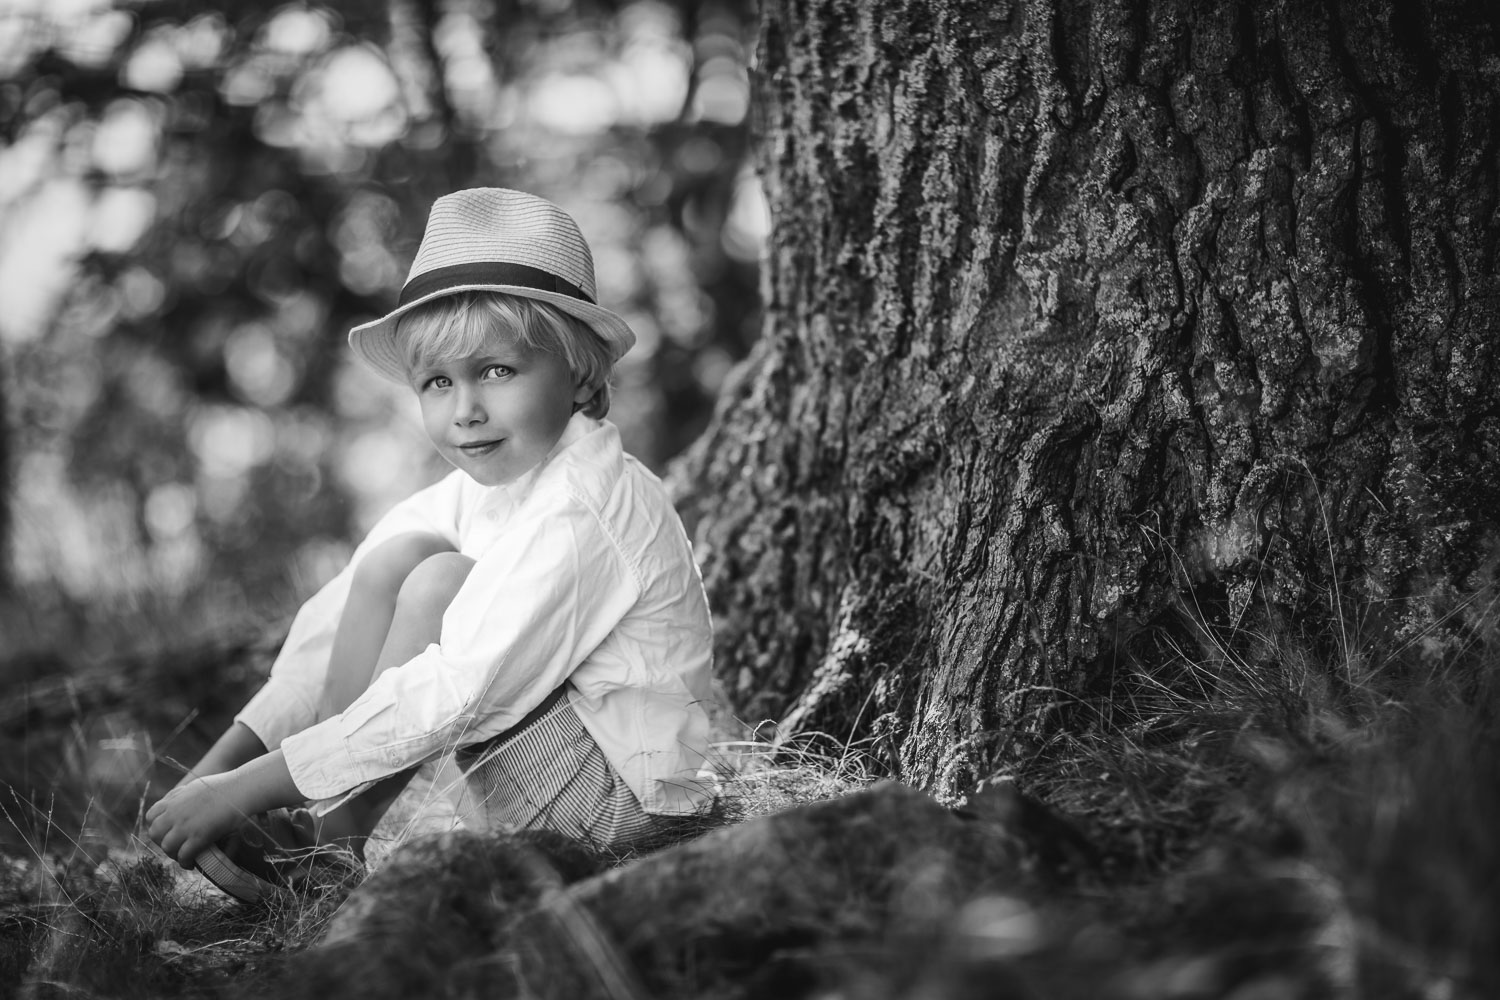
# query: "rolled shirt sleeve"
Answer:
x=288 y=702
x=542 y=596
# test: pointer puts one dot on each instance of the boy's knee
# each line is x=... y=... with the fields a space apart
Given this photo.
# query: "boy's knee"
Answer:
x=383 y=571
x=431 y=585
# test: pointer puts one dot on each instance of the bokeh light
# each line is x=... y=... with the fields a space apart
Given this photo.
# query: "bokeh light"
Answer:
x=196 y=206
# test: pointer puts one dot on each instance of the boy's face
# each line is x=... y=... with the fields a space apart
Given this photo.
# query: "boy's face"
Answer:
x=497 y=413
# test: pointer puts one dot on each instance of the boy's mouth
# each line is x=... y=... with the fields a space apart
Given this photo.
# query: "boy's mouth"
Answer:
x=479 y=447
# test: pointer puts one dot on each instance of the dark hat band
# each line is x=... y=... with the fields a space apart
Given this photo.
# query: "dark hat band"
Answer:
x=488 y=273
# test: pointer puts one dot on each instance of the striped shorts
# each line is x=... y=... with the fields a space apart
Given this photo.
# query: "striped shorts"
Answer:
x=549 y=774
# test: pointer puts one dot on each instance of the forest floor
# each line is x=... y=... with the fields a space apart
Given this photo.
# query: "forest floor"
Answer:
x=1326 y=828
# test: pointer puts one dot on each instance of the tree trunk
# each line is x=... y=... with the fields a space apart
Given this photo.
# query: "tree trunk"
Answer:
x=1080 y=315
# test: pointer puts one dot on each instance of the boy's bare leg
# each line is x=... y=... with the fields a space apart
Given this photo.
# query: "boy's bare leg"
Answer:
x=357 y=643
x=366 y=621
x=415 y=624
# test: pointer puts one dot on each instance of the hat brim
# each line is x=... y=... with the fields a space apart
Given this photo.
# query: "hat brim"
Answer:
x=375 y=344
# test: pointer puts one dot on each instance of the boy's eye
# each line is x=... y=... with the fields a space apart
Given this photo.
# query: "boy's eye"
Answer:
x=437 y=382
x=498 y=371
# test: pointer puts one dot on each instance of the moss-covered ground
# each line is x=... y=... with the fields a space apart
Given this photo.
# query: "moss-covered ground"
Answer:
x=1320 y=822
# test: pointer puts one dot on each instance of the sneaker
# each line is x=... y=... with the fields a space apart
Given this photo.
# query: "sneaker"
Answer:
x=269 y=853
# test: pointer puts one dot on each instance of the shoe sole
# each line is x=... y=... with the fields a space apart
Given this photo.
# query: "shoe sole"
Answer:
x=231 y=878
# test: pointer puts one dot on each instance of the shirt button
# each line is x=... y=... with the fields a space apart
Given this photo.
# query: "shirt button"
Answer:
x=492 y=515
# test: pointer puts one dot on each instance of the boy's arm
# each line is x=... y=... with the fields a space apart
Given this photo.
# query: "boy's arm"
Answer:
x=544 y=595
x=237 y=746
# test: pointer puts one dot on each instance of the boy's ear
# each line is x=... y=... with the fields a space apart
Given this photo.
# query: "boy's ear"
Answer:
x=584 y=391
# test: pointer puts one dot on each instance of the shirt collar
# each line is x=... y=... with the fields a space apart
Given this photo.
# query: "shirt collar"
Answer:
x=514 y=492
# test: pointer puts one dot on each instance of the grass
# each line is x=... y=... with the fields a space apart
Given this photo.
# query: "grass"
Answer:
x=1294 y=813
x=88 y=907
x=760 y=776
x=139 y=927
x=1323 y=804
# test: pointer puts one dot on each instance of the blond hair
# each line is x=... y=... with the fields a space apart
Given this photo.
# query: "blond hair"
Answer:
x=456 y=326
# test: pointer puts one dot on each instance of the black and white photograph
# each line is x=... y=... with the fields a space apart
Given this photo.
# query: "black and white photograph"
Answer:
x=750 y=499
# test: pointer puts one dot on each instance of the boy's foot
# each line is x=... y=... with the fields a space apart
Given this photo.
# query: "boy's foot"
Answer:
x=271 y=852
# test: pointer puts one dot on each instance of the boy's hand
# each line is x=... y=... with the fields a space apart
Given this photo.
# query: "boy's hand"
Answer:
x=199 y=812
x=194 y=815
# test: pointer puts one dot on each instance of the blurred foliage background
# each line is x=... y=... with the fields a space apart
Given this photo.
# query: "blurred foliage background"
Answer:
x=198 y=199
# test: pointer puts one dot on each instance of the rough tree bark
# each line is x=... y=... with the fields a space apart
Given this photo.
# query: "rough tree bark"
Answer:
x=1075 y=312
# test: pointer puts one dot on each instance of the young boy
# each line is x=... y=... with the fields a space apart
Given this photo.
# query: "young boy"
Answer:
x=537 y=611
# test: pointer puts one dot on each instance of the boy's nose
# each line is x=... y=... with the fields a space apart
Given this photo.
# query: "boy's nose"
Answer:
x=468 y=410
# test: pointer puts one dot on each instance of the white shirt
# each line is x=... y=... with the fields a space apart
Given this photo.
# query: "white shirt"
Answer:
x=583 y=572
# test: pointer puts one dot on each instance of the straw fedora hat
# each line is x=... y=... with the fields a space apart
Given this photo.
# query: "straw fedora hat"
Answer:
x=494 y=240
